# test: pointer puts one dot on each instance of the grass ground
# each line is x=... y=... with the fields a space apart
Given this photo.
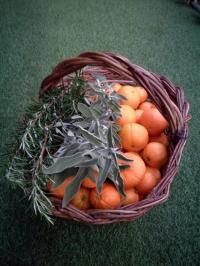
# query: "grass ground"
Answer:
x=159 y=35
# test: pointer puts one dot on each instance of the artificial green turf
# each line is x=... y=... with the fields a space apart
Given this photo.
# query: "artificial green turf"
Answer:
x=163 y=36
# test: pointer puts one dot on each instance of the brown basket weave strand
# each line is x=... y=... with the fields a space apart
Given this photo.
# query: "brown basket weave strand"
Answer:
x=171 y=102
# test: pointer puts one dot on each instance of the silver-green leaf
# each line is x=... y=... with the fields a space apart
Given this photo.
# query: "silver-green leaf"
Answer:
x=122 y=157
x=103 y=174
x=84 y=109
x=88 y=163
x=74 y=186
x=62 y=163
x=60 y=177
x=110 y=137
x=91 y=137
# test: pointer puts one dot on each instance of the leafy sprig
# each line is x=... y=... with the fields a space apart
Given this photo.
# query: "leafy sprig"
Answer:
x=72 y=131
x=90 y=140
x=36 y=142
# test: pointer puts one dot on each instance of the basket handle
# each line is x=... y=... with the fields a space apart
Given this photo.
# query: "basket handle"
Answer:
x=68 y=66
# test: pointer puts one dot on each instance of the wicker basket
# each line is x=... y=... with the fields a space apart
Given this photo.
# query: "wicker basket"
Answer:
x=169 y=99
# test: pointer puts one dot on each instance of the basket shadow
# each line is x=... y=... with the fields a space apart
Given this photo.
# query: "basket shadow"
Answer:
x=180 y=2
x=28 y=240
x=196 y=19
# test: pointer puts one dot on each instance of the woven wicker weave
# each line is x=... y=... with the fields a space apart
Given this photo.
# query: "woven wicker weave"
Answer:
x=169 y=99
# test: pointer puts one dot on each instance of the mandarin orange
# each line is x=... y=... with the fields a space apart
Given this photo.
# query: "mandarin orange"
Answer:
x=132 y=196
x=131 y=94
x=138 y=113
x=88 y=183
x=60 y=190
x=116 y=87
x=108 y=198
x=143 y=93
x=127 y=115
x=133 y=137
x=132 y=175
x=146 y=105
x=162 y=138
x=81 y=199
x=155 y=154
x=151 y=178
x=153 y=121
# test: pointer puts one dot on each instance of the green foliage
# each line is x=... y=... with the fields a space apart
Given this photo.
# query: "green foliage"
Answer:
x=90 y=141
x=70 y=132
x=74 y=186
x=36 y=142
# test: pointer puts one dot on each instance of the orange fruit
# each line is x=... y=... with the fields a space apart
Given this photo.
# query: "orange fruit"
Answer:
x=60 y=190
x=116 y=87
x=154 y=121
x=127 y=115
x=81 y=199
x=132 y=175
x=146 y=105
x=143 y=93
x=151 y=178
x=155 y=154
x=162 y=138
x=134 y=137
x=88 y=183
x=131 y=94
x=108 y=198
x=138 y=113
x=132 y=196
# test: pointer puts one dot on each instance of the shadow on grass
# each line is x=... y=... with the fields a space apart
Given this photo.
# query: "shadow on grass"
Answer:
x=196 y=19
x=180 y=2
x=28 y=240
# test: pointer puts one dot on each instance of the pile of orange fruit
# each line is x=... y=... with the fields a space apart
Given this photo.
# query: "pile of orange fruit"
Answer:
x=143 y=141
